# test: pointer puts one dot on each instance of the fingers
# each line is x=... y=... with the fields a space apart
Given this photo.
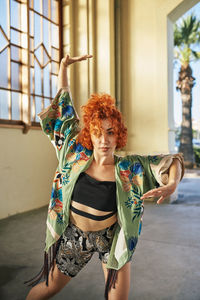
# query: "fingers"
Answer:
x=152 y=193
x=83 y=57
x=67 y=60
x=160 y=200
x=159 y=192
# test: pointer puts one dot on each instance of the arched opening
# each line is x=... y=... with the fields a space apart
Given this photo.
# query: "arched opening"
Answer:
x=174 y=104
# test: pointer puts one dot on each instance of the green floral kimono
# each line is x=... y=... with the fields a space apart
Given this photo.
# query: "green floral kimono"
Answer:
x=135 y=175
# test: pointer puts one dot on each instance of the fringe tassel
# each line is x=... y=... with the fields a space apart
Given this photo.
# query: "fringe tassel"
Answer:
x=48 y=265
x=110 y=282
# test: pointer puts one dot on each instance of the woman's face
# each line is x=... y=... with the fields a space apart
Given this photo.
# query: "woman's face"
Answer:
x=104 y=138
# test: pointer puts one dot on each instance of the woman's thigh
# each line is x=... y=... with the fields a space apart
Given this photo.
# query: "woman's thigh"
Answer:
x=57 y=280
x=122 y=285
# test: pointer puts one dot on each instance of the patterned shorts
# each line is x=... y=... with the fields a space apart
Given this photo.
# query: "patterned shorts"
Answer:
x=77 y=248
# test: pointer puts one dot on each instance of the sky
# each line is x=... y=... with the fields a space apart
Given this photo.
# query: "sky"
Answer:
x=196 y=73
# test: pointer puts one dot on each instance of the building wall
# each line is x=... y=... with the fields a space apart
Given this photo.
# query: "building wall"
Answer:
x=27 y=164
x=28 y=161
x=147 y=70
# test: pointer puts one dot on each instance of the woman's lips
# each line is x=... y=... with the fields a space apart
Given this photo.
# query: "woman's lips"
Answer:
x=104 y=148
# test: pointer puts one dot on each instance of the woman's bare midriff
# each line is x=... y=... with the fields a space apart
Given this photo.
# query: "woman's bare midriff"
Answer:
x=85 y=223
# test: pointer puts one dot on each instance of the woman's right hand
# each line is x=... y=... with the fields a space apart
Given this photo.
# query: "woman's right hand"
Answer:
x=67 y=60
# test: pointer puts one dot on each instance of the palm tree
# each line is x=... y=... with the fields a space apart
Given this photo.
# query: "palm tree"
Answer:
x=186 y=40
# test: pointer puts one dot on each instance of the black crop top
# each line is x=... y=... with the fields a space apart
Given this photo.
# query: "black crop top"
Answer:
x=100 y=195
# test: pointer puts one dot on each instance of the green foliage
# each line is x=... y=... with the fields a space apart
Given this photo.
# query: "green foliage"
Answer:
x=197 y=156
x=186 y=37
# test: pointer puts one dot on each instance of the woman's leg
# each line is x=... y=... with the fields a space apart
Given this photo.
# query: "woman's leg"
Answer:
x=57 y=280
x=122 y=286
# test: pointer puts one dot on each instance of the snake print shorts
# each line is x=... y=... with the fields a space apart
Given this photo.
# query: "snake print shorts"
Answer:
x=77 y=248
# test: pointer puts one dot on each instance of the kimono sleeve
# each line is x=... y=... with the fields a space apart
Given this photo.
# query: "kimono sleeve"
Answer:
x=158 y=166
x=59 y=121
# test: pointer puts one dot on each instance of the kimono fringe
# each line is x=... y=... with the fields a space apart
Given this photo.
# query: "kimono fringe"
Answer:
x=47 y=266
x=110 y=282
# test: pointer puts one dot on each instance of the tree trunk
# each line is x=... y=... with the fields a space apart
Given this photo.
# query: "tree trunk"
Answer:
x=185 y=85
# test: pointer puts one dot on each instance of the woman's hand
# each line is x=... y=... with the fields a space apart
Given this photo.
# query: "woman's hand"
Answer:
x=162 y=192
x=67 y=60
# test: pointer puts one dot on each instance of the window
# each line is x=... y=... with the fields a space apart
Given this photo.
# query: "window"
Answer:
x=30 y=39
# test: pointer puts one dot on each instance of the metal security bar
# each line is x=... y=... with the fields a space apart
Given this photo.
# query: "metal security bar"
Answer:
x=30 y=51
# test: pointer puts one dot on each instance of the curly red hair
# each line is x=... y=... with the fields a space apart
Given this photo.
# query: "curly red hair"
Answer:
x=100 y=107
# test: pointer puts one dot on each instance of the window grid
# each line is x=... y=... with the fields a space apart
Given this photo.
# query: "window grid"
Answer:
x=31 y=46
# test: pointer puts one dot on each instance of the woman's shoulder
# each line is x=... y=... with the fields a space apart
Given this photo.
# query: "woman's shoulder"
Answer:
x=129 y=159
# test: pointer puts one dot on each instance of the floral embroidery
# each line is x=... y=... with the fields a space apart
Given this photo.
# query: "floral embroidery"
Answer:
x=58 y=180
x=136 y=169
x=72 y=143
x=130 y=174
x=68 y=111
x=56 y=204
x=132 y=242
x=132 y=179
x=59 y=140
x=137 y=209
x=75 y=159
x=153 y=159
x=58 y=125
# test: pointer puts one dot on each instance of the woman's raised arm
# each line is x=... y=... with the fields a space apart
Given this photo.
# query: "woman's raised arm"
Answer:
x=65 y=62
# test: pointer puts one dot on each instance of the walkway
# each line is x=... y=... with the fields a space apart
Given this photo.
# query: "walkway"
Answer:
x=166 y=263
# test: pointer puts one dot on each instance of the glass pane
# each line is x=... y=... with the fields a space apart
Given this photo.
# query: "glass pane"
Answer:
x=24 y=40
x=4 y=97
x=37 y=31
x=3 y=16
x=15 y=14
x=47 y=102
x=54 y=11
x=55 y=67
x=31 y=79
x=38 y=54
x=55 y=54
x=46 y=81
x=54 y=85
x=46 y=58
x=15 y=53
x=31 y=44
x=4 y=67
x=15 y=37
x=54 y=36
x=3 y=41
x=32 y=108
x=32 y=59
x=31 y=22
x=24 y=17
x=15 y=75
x=38 y=6
x=31 y=3
x=45 y=8
x=46 y=29
x=38 y=107
x=16 y=105
x=38 y=79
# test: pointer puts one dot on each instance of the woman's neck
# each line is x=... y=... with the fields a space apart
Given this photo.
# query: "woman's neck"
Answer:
x=103 y=160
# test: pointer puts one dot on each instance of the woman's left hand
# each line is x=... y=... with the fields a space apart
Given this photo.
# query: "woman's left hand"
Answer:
x=161 y=192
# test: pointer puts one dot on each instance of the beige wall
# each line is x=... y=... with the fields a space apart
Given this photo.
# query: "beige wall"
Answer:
x=92 y=32
x=145 y=72
x=28 y=161
x=27 y=164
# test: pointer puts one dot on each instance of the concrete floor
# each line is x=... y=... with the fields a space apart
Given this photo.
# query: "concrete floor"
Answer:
x=166 y=264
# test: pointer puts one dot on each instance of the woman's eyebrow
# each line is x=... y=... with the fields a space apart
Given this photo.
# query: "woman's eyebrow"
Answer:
x=109 y=129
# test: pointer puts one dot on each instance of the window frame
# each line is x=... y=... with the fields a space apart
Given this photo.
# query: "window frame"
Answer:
x=25 y=125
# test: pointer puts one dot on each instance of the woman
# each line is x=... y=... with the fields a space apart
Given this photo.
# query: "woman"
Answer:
x=97 y=197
